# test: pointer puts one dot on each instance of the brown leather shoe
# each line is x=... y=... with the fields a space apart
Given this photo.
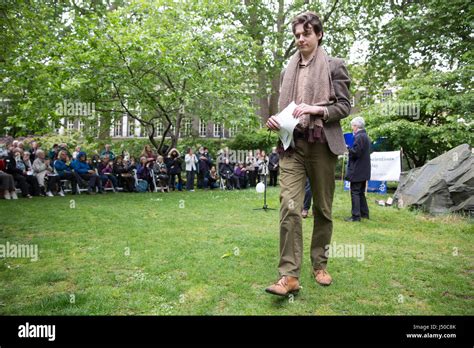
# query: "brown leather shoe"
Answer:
x=304 y=214
x=322 y=277
x=284 y=286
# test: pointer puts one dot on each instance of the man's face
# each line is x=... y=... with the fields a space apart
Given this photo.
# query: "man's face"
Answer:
x=305 y=39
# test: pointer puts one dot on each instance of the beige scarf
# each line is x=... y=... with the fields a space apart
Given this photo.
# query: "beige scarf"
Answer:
x=318 y=89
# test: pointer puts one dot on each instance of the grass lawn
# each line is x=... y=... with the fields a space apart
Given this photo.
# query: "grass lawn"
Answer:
x=162 y=254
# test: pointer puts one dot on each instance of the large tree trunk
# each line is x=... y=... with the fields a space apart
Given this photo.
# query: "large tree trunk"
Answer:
x=151 y=137
x=177 y=126
x=263 y=104
x=174 y=141
x=252 y=22
x=275 y=94
x=104 y=129
x=274 y=76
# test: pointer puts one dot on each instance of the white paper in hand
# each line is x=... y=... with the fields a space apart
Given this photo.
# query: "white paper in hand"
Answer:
x=287 y=124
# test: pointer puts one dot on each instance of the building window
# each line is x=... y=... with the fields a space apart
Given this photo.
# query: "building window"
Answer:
x=80 y=126
x=188 y=127
x=118 y=128
x=232 y=131
x=131 y=127
x=217 y=130
x=363 y=98
x=70 y=125
x=386 y=95
x=159 y=129
x=202 y=128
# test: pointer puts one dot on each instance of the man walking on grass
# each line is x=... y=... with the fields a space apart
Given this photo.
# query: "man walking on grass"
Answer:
x=319 y=85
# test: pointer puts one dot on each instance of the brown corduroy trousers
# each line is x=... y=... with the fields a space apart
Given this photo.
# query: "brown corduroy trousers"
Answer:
x=316 y=161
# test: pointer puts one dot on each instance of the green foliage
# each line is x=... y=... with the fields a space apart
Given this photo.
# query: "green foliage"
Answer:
x=159 y=83
x=28 y=65
x=72 y=140
x=252 y=140
x=128 y=58
x=444 y=119
x=422 y=34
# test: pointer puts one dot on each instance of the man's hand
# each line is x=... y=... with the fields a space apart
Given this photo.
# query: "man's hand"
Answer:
x=273 y=124
x=308 y=109
x=91 y=171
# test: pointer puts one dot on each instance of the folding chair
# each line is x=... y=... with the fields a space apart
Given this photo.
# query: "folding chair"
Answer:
x=80 y=189
x=222 y=184
x=166 y=187
x=65 y=185
x=152 y=173
x=135 y=177
x=109 y=186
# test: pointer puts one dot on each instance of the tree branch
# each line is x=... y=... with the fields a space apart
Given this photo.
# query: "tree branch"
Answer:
x=331 y=11
x=142 y=122
x=121 y=55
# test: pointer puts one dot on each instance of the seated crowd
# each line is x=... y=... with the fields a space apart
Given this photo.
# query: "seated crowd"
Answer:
x=36 y=172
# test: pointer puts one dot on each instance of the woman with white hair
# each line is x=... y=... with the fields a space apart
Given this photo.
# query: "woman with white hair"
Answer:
x=43 y=169
x=358 y=170
x=161 y=172
x=30 y=177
